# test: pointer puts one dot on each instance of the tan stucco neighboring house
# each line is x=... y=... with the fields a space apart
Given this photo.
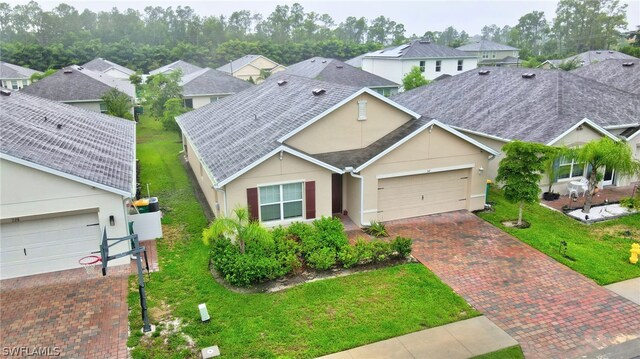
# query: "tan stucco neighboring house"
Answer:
x=66 y=175
x=80 y=87
x=497 y=105
x=202 y=87
x=491 y=53
x=251 y=68
x=295 y=149
x=15 y=77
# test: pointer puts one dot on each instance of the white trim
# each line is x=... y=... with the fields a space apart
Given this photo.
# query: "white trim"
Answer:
x=208 y=95
x=462 y=129
x=426 y=171
x=343 y=102
x=618 y=127
x=281 y=182
x=478 y=195
x=65 y=175
x=633 y=136
x=311 y=159
x=375 y=210
x=82 y=101
x=416 y=132
x=281 y=202
x=582 y=122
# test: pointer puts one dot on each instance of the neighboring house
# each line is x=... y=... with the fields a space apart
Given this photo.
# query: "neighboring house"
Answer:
x=433 y=60
x=295 y=149
x=357 y=61
x=621 y=74
x=183 y=66
x=80 y=87
x=550 y=64
x=589 y=57
x=66 y=175
x=109 y=68
x=251 y=67
x=557 y=108
x=491 y=53
x=336 y=71
x=15 y=77
x=208 y=85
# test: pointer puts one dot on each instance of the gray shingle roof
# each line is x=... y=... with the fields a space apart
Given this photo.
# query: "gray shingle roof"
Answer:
x=78 y=85
x=504 y=104
x=612 y=73
x=99 y=64
x=332 y=70
x=11 y=71
x=88 y=145
x=588 y=57
x=239 y=63
x=419 y=49
x=234 y=132
x=211 y=82
x=186 y=68
x=486 y=45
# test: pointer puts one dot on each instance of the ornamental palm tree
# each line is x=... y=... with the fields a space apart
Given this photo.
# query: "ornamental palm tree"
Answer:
x=239 y=229
x=601 y=154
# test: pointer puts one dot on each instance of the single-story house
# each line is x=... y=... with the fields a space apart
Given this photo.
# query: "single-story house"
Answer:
x=295 y=149
x=208 y=85
x=490 y=53
x=621 y=74
x=66 y=174
x=336 y=71
x=251 y=68
x=80 y=87
x=185 y=67
x=109 y=68
x=589 y=57
x=15 y=77
x=497 y=105
x=550 y=64
x=432 y=59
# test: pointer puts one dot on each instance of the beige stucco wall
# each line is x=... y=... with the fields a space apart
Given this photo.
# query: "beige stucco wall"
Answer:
x=27 y=192
x=341 y=130
x=214 y=198
x=433 y=150
x=91 y=106
x=263 y=63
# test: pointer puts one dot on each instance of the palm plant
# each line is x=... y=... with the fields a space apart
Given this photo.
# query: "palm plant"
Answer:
x=239 y=229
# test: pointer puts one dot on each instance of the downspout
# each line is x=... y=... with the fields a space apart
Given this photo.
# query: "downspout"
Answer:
x=354 y=175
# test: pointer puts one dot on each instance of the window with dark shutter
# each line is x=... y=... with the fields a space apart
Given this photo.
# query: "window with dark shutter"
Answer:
x=252 y=203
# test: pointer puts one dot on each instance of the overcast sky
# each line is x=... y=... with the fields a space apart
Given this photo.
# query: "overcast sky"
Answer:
x=417 y=16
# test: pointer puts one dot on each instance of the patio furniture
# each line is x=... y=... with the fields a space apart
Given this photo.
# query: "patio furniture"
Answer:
x=578 y=187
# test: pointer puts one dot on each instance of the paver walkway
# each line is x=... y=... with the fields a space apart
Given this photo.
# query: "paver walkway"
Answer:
x=552 y=311
x=460 y=340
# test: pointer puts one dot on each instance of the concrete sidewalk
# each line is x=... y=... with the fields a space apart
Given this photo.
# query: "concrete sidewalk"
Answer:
x=629 y=289
x=464 y=339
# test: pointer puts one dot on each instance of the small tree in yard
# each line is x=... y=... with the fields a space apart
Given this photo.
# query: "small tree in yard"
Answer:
x=172 y=109
x=159 y=89
x=601 y=154
x=521 y=171
x=414 y=79
x=239 y=229
x=118 y=104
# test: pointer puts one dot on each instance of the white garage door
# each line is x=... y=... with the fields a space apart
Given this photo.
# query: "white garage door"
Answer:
x=46 y=245
x=419 y=195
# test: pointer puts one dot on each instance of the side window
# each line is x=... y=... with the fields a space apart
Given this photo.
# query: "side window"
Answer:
x=438 y=65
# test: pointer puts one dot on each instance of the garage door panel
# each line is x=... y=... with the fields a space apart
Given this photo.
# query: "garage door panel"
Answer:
x=417 y=195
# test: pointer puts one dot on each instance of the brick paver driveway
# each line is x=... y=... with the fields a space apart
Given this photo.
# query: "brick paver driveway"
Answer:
x=552 y=311
x=81 y=316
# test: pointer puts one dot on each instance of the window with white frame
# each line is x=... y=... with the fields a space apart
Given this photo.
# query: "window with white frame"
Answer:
x=485 y=55
x=362 y=110
x=103 y=107
x=422 y=65
x=14 y=84
x=280 y=202
x=438 y=65
x=460 y=62
x=569 y=168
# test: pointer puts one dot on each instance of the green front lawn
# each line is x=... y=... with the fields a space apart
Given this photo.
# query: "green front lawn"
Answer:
x=507 y=353
x=310 y=320
x=601 y=250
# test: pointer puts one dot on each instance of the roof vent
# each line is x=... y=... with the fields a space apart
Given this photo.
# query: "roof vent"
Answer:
x=45 y=118
x=425 y=41
x=339 y=66
x=627 y=64
x=282 y=82
x=318 y=92
x=80 y=68
x=324 y=61
x=313 y=60
x=59 y=126
x=67 y=71
x=611 y=52
x=598 y=52
x=528 y=75
x=5 y=92
x=484 y=72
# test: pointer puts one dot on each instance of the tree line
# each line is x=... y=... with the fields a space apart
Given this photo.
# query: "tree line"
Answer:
x=144 y=40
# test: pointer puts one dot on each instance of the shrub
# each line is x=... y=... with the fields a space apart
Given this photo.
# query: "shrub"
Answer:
x=377 y=229
x=299 y=230
x=364 y=251
x=401 y=246
x=330 y=233
x=630 y=202
x=322 y=259
x=381 y=250
x=348 y=256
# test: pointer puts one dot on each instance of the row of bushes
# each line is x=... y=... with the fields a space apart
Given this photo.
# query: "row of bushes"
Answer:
x=276 y=253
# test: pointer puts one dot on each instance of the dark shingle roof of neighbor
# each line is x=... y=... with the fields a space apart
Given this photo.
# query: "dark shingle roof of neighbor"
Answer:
x=336 y=71
x=486 y=45
x=613 y=73
x=78 y=85
x=211 y=82
x=239 y=63
x=419 y=49
x=101 y=65
x=11 y=71
x=588 y=57
x=87 y=144
x=234 y=132
x=186 y=68
x=356 y=158
x=504 y=104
